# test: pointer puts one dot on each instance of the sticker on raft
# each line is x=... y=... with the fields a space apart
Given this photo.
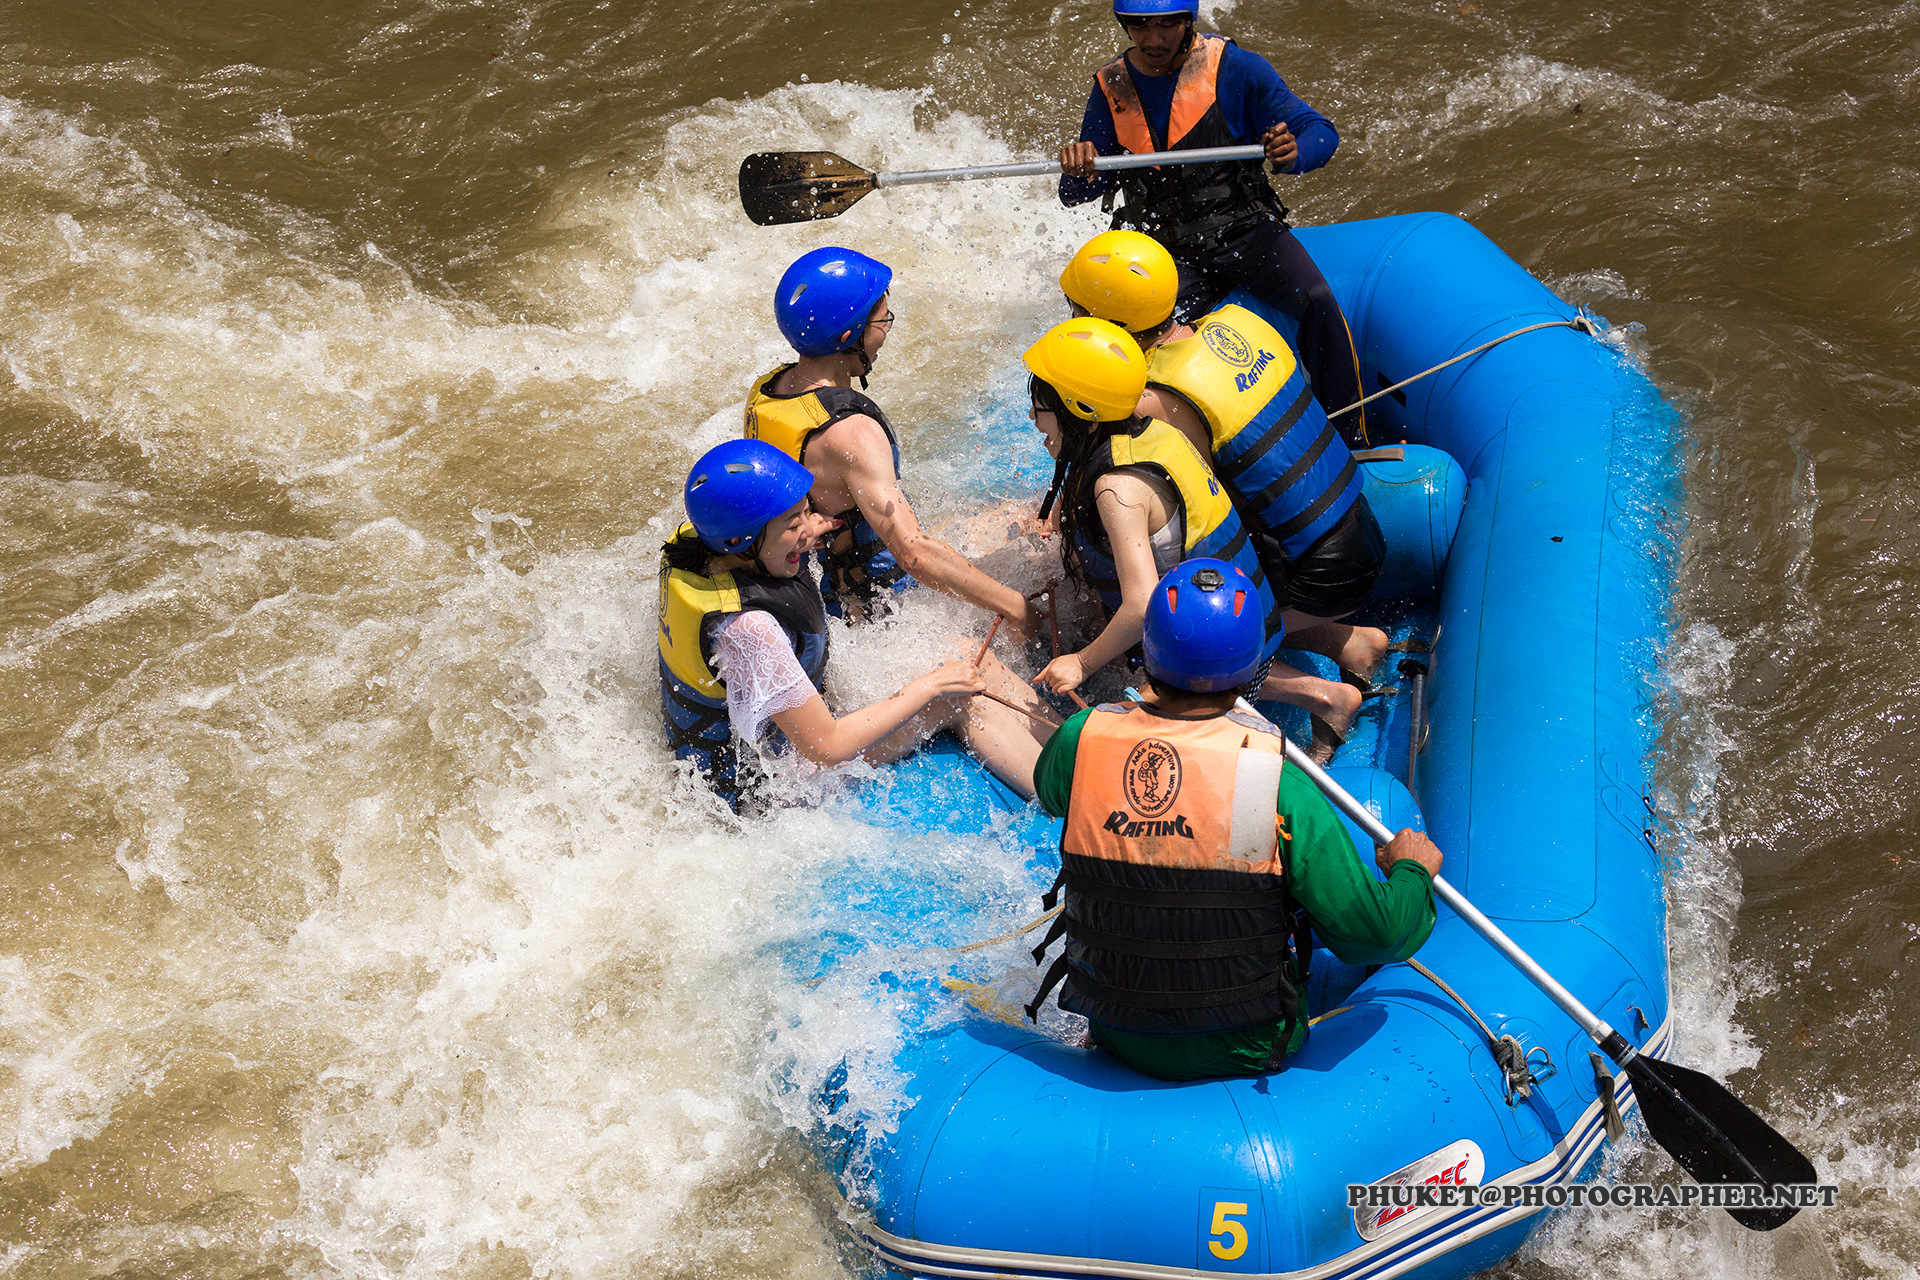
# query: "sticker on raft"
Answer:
x=1458 y=1164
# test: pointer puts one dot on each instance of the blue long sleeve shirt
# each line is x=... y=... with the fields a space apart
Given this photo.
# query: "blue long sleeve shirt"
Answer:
x=1252 y=97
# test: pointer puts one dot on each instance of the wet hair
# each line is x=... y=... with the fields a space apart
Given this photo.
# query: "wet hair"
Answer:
x=1078 y=438
x=1147 y=337
x=689 y=555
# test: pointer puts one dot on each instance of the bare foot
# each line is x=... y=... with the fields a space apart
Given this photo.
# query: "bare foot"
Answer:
x=1335 y=703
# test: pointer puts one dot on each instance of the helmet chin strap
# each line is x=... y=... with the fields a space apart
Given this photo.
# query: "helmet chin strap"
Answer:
x=859 y=351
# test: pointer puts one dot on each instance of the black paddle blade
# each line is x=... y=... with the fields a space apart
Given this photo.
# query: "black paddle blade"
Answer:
x=799 y=186
x=1716 y=1137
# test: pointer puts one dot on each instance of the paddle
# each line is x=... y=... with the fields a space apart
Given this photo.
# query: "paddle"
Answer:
x=1713 y=1135
x=778 y=187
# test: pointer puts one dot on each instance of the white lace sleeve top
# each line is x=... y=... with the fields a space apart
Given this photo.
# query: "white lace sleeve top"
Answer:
x=753 y=655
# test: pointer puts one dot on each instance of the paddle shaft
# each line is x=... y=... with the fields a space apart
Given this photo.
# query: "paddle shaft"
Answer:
x=1612 y=1041
x=1040 y=168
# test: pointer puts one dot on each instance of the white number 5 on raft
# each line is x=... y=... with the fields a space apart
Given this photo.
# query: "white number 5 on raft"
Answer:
x=1225 y=1228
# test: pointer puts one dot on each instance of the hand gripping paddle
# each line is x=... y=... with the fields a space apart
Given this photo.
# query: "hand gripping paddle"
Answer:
x=1713 y=1135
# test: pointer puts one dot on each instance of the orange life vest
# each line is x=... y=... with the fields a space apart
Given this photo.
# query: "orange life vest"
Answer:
x=1178 y=917
x=1194 y=94
x=1189 y=202
x=1195 y=794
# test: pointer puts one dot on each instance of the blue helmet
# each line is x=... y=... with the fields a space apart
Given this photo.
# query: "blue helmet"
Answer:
x=825 y=298
x=1153 y=8
x=1204 y=630
x=736 y=488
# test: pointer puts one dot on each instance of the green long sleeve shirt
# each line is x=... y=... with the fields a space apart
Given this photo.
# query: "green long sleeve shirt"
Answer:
x=1360 y=919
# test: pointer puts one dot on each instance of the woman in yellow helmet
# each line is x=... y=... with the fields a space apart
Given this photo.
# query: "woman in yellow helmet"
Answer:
x=1232 y=386
x=1138 y=497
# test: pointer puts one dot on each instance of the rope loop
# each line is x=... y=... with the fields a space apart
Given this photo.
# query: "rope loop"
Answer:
x=1581 y=321
x=1515 y=1059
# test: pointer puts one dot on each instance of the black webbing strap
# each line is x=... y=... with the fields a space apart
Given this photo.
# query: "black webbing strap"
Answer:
x=1053 y=935
x=1279 y=427
x=1321 y=443
x=1271 y=944
x=1301 y=934
x=1047 y=985
x=1181 y=899
x=1128 y=998
x=1321 y=503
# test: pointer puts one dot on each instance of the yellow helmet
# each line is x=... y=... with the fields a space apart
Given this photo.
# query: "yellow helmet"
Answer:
x=1123 y=276
x=1095 y=365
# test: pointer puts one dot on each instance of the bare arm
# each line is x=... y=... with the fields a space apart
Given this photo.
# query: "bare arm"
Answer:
x=1125 y=504
x=822 y=739
x=1176 y=412
x=858 y=448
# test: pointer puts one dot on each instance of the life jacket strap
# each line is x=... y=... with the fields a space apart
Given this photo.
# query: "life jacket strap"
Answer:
x=1258 y=449
x=1162 y=1001
x=1178 y=899
x=1272 y=944
x=1047 y=984
x=1053 y=936
x=1325 y=500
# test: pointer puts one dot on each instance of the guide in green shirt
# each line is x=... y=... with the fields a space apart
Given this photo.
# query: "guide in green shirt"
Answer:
x=1360 y=919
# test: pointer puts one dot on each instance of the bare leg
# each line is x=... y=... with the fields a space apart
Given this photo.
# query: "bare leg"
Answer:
x=947 y=713
x=1330 y=700
x=1006 y=741
x=1356 y=649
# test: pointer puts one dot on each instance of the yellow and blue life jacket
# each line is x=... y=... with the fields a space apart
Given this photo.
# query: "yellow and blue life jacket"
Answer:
x=1291 y=475
x=857 y=564
x=1211 y=526
x=693 y=698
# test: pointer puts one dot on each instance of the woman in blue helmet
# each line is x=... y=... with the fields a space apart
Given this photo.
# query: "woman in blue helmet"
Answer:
x=832 y=307
x=1180 y=797
x=743 y=639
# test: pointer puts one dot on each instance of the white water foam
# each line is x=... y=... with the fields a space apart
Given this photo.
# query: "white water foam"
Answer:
x=385 y=797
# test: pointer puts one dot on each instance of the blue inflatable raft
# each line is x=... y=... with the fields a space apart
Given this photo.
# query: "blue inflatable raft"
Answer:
x=1529 y=574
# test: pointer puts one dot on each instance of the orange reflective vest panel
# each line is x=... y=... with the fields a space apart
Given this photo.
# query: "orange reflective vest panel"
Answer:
x=1193 y=96
x=1195 y=794
x=1178 y=919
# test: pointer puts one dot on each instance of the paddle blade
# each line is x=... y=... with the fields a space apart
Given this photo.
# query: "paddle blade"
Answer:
x=1716 y=1137
x=799 y=186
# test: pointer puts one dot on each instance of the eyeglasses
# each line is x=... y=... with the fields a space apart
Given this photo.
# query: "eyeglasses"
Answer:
x=886 y=319
x=1164 y=23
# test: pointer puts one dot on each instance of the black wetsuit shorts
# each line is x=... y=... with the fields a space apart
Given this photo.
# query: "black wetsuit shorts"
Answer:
x=1337 y=573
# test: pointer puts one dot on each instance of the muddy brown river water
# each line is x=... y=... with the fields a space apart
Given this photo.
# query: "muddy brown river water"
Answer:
x=353 y=921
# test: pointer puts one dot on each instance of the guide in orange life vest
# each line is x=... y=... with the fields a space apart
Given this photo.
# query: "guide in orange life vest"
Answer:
x=1178 y=89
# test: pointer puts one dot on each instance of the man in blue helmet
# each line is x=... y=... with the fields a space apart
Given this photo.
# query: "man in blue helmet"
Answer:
x=1197 y=866
x=832 y=307
x=1179 y=90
